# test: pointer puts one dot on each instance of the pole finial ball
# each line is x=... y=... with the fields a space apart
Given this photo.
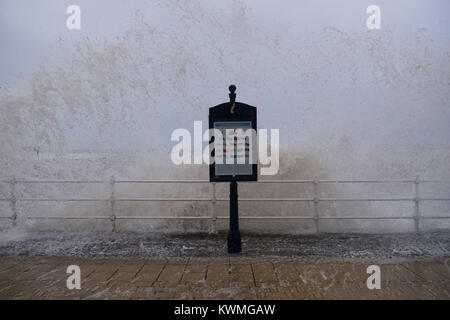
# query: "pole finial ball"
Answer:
x=232 y=88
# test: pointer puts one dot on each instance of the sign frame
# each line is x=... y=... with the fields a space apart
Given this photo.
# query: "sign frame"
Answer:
x=241 y=112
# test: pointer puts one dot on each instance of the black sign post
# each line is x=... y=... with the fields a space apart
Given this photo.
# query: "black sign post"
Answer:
x=233 y=117
x=234 y=235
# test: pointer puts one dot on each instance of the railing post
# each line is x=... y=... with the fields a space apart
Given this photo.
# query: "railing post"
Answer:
x=316 y=202
x=113 y=214
x=13 y=202
x=214 y=213
x=416 y=204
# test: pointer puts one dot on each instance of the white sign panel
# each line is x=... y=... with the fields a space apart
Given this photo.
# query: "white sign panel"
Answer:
x=232 y=154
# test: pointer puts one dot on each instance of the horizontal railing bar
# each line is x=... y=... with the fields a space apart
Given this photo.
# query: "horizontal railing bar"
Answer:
x=435 y=217
x=434 y=181
x=269 y=217
x=382 y=218
x=60 y=181
x=207 y=181
x=162 y=199
x=367 y=181
x=117 y=217
x=366 y=199
x=276 y=199
x=225 y=217
x=52 y=199
x=318 y=199
x=268 y=199
x=362 y=218
x=225 y=199
x=161 y=181
x=68 y=217
x=284 y=181
x=162 y=217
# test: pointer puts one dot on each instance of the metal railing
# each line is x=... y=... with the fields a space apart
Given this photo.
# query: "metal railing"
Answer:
x=416 y=199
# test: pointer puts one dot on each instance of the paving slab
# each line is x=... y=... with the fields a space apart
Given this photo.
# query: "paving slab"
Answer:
x=145 y=266
x=205 y=278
